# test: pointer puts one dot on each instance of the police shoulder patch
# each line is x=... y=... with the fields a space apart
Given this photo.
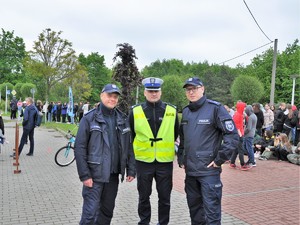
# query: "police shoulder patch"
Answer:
x=229 y=125
x=213 y=102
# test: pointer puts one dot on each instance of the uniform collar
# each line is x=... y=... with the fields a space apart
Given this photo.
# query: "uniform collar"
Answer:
x=194 y=106
x=106 y=111
x=155 y=104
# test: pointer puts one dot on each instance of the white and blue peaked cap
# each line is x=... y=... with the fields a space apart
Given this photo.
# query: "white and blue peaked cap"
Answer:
x=152 y=83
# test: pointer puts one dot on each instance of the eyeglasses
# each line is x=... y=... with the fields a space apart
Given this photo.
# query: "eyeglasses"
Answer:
x=192 y=89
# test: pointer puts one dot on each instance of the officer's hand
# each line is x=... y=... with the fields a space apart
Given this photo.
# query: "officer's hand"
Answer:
x=129 y=179
x=212 y=164
x=88 y=182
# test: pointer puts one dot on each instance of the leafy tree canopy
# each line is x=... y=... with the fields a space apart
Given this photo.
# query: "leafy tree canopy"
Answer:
x=4 y=87
x=288 y=63
x=52 y=60
x=247 y=88
x=172 y=91
x=12 y=53
x=164 y=67
x=26 y=89
x=98 y=73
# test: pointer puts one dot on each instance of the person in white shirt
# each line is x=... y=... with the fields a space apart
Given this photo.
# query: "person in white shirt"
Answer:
x=268 y=118
x=85 y=108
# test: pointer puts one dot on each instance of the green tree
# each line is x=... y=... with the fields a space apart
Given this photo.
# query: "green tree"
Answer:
x=80 y=84
x=172 y=91
x=218 y=80
x=52 y=60
x=12 y=53
x=288 y=63
x=127 y=74
x=247 y=88
x=18 y=87
x=4 y=87
x=98 y=73
x=164 y=67
x=26 y=90
x=197 y=68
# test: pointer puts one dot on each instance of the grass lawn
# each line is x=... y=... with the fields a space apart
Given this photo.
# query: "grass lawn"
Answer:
x=62 y=126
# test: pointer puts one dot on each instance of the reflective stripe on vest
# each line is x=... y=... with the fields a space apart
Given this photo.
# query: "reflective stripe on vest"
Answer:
x=146 y=147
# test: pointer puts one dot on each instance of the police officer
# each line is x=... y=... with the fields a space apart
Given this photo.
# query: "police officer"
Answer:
x=103 y=150
x=207 y=139
x=154 y=126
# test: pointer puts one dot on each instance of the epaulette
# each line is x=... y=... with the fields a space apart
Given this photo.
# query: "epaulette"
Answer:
x=135 y=105
x=174 y=106
x=185 y=107
x=213 y=102
x=92 y=110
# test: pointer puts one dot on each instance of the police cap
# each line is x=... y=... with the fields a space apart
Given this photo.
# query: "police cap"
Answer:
x=152 y=83
x=194 y=81
x=111 y=88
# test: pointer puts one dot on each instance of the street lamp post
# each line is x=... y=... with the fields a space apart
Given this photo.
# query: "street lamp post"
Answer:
x=294 y=77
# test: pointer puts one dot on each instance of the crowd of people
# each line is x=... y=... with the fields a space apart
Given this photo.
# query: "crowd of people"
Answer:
x=266 y=133
x=65 y=113
x=54 y=111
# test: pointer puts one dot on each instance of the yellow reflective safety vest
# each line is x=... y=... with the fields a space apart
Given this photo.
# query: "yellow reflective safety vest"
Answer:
x=146 y=147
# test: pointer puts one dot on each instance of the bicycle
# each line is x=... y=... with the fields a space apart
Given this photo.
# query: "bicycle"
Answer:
x=65 y=155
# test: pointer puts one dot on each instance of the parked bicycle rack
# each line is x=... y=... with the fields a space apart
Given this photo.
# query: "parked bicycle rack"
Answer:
x=17 y=171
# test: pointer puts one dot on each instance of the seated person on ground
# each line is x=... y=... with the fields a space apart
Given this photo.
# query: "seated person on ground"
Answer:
x=263 y=143
x=280 y=150
x=295 y=157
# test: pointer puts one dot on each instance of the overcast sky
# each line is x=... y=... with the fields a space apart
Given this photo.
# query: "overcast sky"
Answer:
x=189 y=30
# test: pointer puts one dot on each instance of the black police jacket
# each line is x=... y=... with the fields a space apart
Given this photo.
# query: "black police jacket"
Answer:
x=207 y=133
x=92 y=152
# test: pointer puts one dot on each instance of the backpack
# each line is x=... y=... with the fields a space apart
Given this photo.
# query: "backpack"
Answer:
x=38 y=117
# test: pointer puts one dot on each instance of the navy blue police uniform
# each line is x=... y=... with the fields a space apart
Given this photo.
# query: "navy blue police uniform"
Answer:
x=207 y=134
x=103 y=152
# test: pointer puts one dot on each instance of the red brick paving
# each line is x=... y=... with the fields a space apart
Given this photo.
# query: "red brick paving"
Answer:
x=266 y=194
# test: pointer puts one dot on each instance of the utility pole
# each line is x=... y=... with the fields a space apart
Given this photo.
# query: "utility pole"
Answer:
x=273 y=73
x=294 y=77
x=137 y=95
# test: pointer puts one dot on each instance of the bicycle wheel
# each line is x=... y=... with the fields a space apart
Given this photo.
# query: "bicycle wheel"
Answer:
x=64 y=156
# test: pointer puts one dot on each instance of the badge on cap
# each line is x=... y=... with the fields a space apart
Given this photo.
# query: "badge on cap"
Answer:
x=152 y=80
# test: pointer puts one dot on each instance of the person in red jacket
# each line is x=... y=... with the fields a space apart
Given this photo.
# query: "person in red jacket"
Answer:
x=238 y=119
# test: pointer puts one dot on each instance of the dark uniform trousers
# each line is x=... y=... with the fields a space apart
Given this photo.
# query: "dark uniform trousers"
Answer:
x=238 y=151
x=27 y=133
x=163 y=174
x=204 y=195
x=99 y=202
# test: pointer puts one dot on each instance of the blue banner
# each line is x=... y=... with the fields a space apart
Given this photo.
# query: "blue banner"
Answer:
x=71 y=104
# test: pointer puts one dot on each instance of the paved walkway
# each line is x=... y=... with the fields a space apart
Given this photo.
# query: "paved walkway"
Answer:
x=44 y=193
